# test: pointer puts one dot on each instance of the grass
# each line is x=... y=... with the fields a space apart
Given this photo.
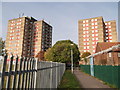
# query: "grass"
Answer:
x=69 y=81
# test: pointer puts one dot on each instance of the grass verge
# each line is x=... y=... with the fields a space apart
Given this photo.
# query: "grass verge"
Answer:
x=69 y=81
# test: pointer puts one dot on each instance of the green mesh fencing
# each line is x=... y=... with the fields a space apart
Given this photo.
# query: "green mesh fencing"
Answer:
x=107 y=73
x=85 y=68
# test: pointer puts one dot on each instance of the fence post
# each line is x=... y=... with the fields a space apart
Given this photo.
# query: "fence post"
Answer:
x=20 y=74
x=15 y=76
x=51 y=74
x=1 y=61
x=27 y=65
x=23 y=71
x=91 y=66
x=56 y=73
x=36 y=59
x=29 y=77
x=10 y=70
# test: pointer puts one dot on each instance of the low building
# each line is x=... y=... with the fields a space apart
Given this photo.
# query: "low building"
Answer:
x=109 y=58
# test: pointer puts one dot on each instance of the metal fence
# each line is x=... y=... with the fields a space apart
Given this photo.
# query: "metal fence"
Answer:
x=29 y=73
x=107 y=73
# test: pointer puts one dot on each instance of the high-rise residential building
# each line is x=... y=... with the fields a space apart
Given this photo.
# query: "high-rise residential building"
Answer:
x=27 y=37
x=93 y=30
x=110 y=31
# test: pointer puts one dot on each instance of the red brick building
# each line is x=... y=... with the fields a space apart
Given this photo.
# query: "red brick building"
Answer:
x=93 y=30
x=109 y=58
x=28 y=37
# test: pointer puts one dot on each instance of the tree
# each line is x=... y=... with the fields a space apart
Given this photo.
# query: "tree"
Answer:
x=2 y=45
x=84 y=55
x=61 y=52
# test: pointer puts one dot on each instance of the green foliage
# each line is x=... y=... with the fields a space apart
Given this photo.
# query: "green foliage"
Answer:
x=85 y=54
x=2 y=45
x=61 y=52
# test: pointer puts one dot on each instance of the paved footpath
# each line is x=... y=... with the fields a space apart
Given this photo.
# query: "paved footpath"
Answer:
x=87 y=81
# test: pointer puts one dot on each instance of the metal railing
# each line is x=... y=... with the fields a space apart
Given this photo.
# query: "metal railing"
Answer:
x=29 y=73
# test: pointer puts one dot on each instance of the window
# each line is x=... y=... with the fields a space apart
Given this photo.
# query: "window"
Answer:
x=17 y=37
x=83 y=32
x=11 y=34
x=96 y=34
x=93 y=35
x=84 y=50
x=110 y=37
x=93 y=50
x=86 y=24
x=96 y=38
x=87 y=39
x=12 y=37
x=17 y=33
x=109 y=26
x=93 y=46
x=95 y=19
x=92 y=23
x=93 y=39
x=96 y=23
x=109 y=23
x=86 y=20
x=83 y=28
x=92 y=31
x=87 y=35
x=92 y=27
x=87 y=47
x=96 y=30
x=110 y=40
x=110 y=33
x=84 y=43
x=96 y=26
x=87 y=43
x=106 y=37
x=87 y=32
x=87 y=28
x=106 y=30
x=83 y=21
x=83 y=24
x=93 y=42
x=105 y=23
x=84 y=47
x=106 y=33
x=118 y=54
x=92 y=20
x=109 y=29
x=110 y=55
x=84 y=39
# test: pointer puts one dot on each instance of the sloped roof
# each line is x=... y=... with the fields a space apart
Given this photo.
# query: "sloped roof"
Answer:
x=105 y=45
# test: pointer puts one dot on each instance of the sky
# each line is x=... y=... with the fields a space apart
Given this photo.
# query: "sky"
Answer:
x=63 y=16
